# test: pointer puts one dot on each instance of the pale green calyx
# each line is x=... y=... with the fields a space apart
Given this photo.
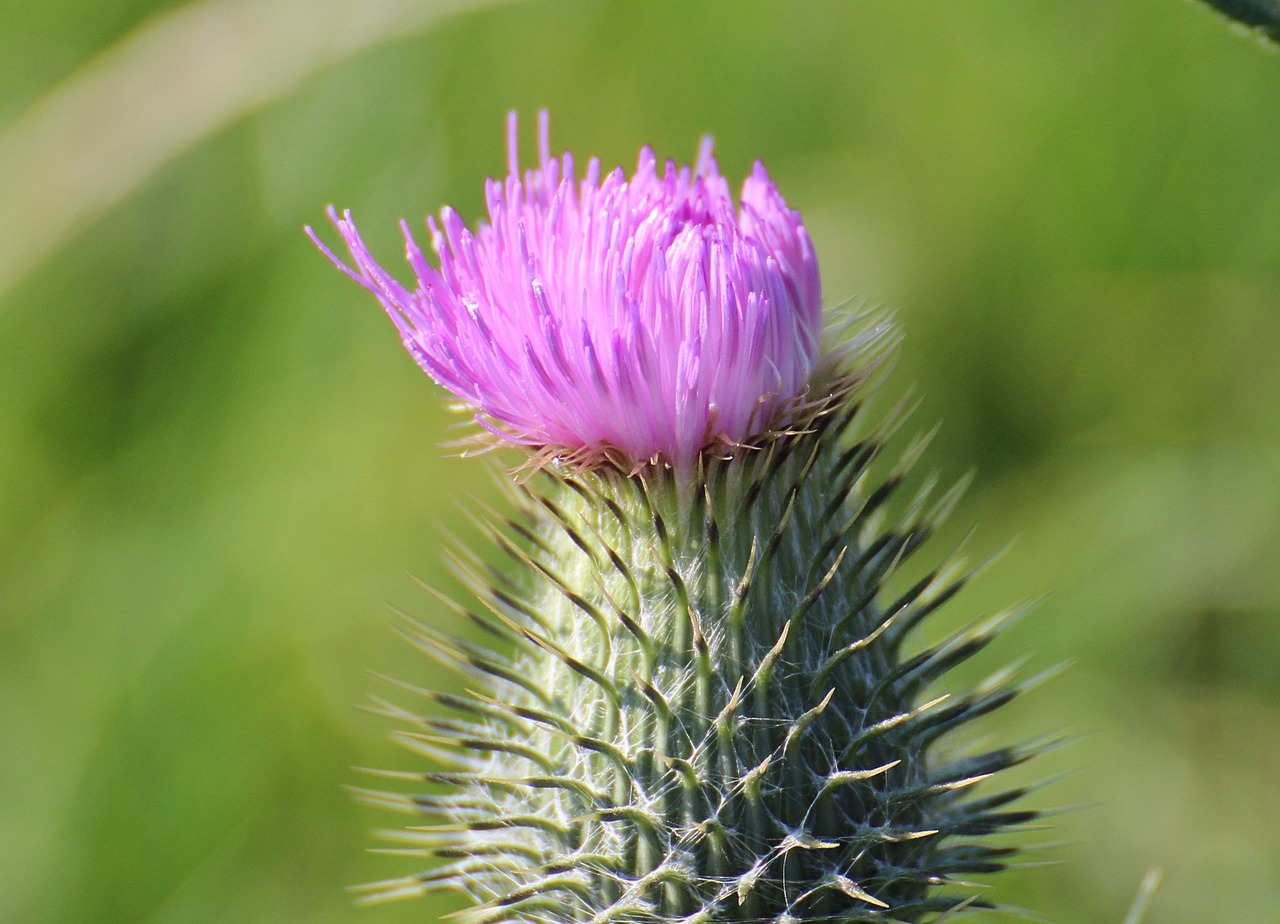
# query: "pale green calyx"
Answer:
x=698 y=701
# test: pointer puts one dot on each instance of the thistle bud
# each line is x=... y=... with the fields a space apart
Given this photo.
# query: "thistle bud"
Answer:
x=699 y=702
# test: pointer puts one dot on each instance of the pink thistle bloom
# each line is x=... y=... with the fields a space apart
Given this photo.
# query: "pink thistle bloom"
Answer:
x=634 y=320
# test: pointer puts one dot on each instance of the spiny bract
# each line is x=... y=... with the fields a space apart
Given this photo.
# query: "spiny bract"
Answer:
x=698 y=705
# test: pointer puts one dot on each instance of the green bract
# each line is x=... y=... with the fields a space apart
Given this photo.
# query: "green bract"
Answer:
x=700 y=702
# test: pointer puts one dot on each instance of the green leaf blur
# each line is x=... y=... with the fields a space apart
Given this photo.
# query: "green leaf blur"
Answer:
x=217 y=466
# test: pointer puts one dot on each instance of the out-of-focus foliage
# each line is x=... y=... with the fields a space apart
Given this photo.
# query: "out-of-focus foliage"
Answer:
x=1262 y=15
x=216 y=464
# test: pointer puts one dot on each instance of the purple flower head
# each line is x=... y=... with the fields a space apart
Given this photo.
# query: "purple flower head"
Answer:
x=635 y=320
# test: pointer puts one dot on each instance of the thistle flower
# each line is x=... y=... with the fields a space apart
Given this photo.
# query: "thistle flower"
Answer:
x=700 y=701
x=639 y=319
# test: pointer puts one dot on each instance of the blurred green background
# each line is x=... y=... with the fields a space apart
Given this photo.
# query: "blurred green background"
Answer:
x=217 y=466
